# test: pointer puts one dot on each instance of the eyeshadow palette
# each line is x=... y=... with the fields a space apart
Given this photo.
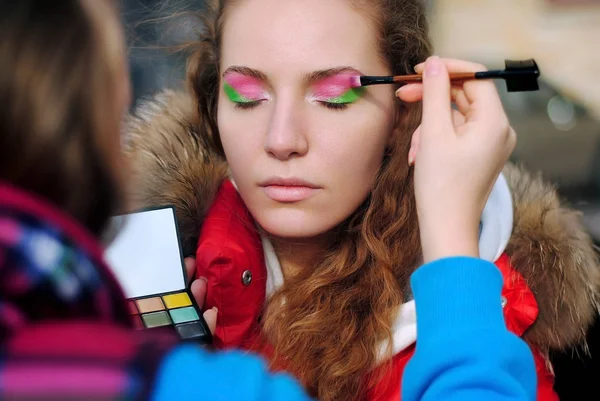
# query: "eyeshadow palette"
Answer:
x=169 y=310
x=146 y=257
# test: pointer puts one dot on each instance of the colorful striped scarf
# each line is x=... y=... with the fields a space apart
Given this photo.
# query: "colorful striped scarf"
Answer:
x=64 y=327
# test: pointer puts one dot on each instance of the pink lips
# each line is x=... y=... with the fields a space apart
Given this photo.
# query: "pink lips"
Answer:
x=289 y=190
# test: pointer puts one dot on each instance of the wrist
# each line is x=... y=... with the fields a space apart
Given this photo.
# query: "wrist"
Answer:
x=450 y=240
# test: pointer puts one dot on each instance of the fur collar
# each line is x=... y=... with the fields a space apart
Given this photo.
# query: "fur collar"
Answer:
x=549 y=245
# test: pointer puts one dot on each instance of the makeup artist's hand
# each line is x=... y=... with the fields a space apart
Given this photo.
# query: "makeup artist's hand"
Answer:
x=457 y=155
x=198 y=290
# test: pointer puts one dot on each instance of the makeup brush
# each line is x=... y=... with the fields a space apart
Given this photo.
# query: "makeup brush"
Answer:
x=520 y=76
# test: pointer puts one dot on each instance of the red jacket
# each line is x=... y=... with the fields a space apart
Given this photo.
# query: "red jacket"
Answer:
x=230 y=255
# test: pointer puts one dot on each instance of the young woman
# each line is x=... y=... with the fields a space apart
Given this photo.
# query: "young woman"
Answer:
x=296 y=194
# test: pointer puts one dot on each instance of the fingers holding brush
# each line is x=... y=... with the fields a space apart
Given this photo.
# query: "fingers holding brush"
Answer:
x=459 y=89
x=410 y=93
x=477 y=100
x=413 y=93
x=479 y=93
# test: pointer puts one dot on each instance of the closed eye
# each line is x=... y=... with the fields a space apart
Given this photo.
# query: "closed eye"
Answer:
x=246 y=105
x=343 y=100
x=248 y=99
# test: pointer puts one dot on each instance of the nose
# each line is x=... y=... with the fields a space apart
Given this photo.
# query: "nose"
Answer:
x=286 y=137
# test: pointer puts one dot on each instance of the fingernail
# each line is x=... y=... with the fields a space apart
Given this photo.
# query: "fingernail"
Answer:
x=215 y=309
x=416 y=67
x=204 y=279
x=433 y=66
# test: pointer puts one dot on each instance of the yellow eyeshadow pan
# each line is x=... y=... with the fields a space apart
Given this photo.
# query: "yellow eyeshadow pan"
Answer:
x=177 y=300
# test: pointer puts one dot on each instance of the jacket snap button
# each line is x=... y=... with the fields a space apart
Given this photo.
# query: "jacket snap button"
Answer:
x=247 y=277
x=504 y=301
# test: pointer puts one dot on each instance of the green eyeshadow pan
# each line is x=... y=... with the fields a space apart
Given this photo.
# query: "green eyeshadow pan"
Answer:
x=183 y=315
x=156 y=319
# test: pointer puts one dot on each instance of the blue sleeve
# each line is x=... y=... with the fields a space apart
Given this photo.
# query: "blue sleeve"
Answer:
x=192 y=373
x=464 y=351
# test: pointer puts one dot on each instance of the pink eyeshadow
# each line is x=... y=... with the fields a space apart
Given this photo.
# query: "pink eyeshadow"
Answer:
x=248 y=87
x=333 y=86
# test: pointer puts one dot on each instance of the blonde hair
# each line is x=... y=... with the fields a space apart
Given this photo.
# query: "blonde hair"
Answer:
x=335 y=316
x=59 y=63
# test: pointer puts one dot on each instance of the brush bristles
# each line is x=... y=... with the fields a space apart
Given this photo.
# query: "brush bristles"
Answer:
x=365 y=80
x=355 y=81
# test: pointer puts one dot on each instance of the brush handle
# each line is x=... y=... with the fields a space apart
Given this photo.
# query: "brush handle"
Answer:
x=407 y=79
x=416 y=78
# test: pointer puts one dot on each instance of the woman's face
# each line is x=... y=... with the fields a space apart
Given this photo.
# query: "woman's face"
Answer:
x=303 y=146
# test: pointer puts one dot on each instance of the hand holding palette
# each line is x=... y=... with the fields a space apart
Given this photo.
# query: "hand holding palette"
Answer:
x=147 y=261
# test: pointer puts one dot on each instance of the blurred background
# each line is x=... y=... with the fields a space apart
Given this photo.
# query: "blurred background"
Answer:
x=558 y=126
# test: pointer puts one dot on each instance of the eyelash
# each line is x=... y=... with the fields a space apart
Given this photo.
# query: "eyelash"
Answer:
x=335 y=106
x=330 y=106
x=246 y=105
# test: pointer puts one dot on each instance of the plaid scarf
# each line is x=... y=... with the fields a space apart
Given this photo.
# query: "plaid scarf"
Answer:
x=64 y=327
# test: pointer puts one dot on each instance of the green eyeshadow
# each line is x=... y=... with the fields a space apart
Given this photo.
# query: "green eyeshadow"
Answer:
x=350 y=96
x=234 y=95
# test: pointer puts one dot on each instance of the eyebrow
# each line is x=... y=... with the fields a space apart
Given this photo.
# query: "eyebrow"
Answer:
x=330 y=72
x=311 y=77
x=246 y=71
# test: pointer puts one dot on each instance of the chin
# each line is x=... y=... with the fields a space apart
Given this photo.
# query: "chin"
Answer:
x=285 y=223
